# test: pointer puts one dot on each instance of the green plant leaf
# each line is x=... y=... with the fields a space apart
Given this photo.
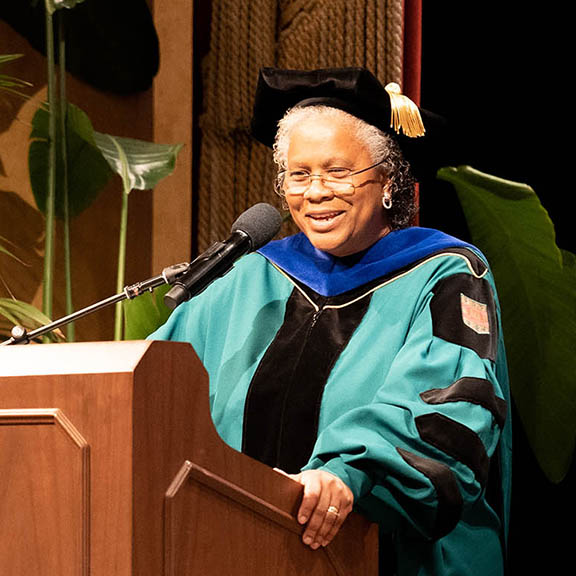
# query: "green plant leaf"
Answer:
x=140 y=164
x=15 y=312
x=144 y=314
x=9 y=57
x=536 y=284
x=4 y=250
x=11 y=84
x=88 y=171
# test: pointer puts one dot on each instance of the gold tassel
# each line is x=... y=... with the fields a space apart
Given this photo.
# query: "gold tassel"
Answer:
x=405 y=114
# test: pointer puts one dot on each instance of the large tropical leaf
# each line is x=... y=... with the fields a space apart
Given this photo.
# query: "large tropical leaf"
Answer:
x=144 y=314
x=140 y=164
x=536 y=283
x=88 y=172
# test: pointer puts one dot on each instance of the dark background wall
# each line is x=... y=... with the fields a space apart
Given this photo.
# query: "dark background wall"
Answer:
x=499 y=72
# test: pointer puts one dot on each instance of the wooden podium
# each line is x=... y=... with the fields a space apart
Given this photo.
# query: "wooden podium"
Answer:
x=110 y=466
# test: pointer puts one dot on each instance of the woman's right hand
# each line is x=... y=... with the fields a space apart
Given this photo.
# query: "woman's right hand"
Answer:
x=326 y=502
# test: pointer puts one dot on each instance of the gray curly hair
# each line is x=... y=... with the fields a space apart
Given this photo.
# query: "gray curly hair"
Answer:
x=381 y=146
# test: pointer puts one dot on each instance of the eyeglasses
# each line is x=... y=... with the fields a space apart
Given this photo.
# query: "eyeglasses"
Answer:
x=338 y=180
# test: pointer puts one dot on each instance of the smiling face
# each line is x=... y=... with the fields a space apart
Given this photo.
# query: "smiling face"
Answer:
x=343 y=225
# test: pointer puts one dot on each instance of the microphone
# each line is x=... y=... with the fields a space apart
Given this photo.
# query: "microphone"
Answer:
x=253 y=228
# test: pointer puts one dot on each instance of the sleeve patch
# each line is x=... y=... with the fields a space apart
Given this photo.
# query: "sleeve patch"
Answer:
x=475 y=315
x=463 y=312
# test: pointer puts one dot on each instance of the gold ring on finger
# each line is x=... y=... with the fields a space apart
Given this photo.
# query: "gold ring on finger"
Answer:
x=333 y=510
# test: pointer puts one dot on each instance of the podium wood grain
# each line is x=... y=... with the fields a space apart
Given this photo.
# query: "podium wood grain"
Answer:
x=110 y=466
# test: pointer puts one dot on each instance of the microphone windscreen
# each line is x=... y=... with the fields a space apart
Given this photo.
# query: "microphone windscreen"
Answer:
x=260 y=223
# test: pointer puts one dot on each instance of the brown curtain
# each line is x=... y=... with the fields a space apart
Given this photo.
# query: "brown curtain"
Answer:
x=234 y=171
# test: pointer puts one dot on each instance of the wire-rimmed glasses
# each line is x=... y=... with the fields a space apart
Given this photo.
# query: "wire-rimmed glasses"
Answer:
x=338 y=180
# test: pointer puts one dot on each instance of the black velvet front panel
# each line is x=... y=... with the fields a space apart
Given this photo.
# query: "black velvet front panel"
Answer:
x=283 y=402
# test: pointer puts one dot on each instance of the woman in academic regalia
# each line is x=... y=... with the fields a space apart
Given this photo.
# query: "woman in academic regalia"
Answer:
x=363 y=356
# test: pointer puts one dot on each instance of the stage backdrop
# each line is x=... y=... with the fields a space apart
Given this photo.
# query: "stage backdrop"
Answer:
x=235 y=172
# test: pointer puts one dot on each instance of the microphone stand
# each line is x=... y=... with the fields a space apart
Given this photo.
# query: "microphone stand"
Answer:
x=19 y=335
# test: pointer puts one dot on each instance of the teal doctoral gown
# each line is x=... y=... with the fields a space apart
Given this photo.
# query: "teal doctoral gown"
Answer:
x=386 y=369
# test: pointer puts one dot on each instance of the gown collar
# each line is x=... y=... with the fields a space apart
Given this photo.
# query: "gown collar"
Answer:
x=329 y=275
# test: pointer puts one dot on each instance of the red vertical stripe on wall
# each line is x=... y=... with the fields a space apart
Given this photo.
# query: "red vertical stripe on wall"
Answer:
x=412 y=49
x=412 y=57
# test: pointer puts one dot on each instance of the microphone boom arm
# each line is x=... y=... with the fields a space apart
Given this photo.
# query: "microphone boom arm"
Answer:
x=170 y=275
x=251 y=230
